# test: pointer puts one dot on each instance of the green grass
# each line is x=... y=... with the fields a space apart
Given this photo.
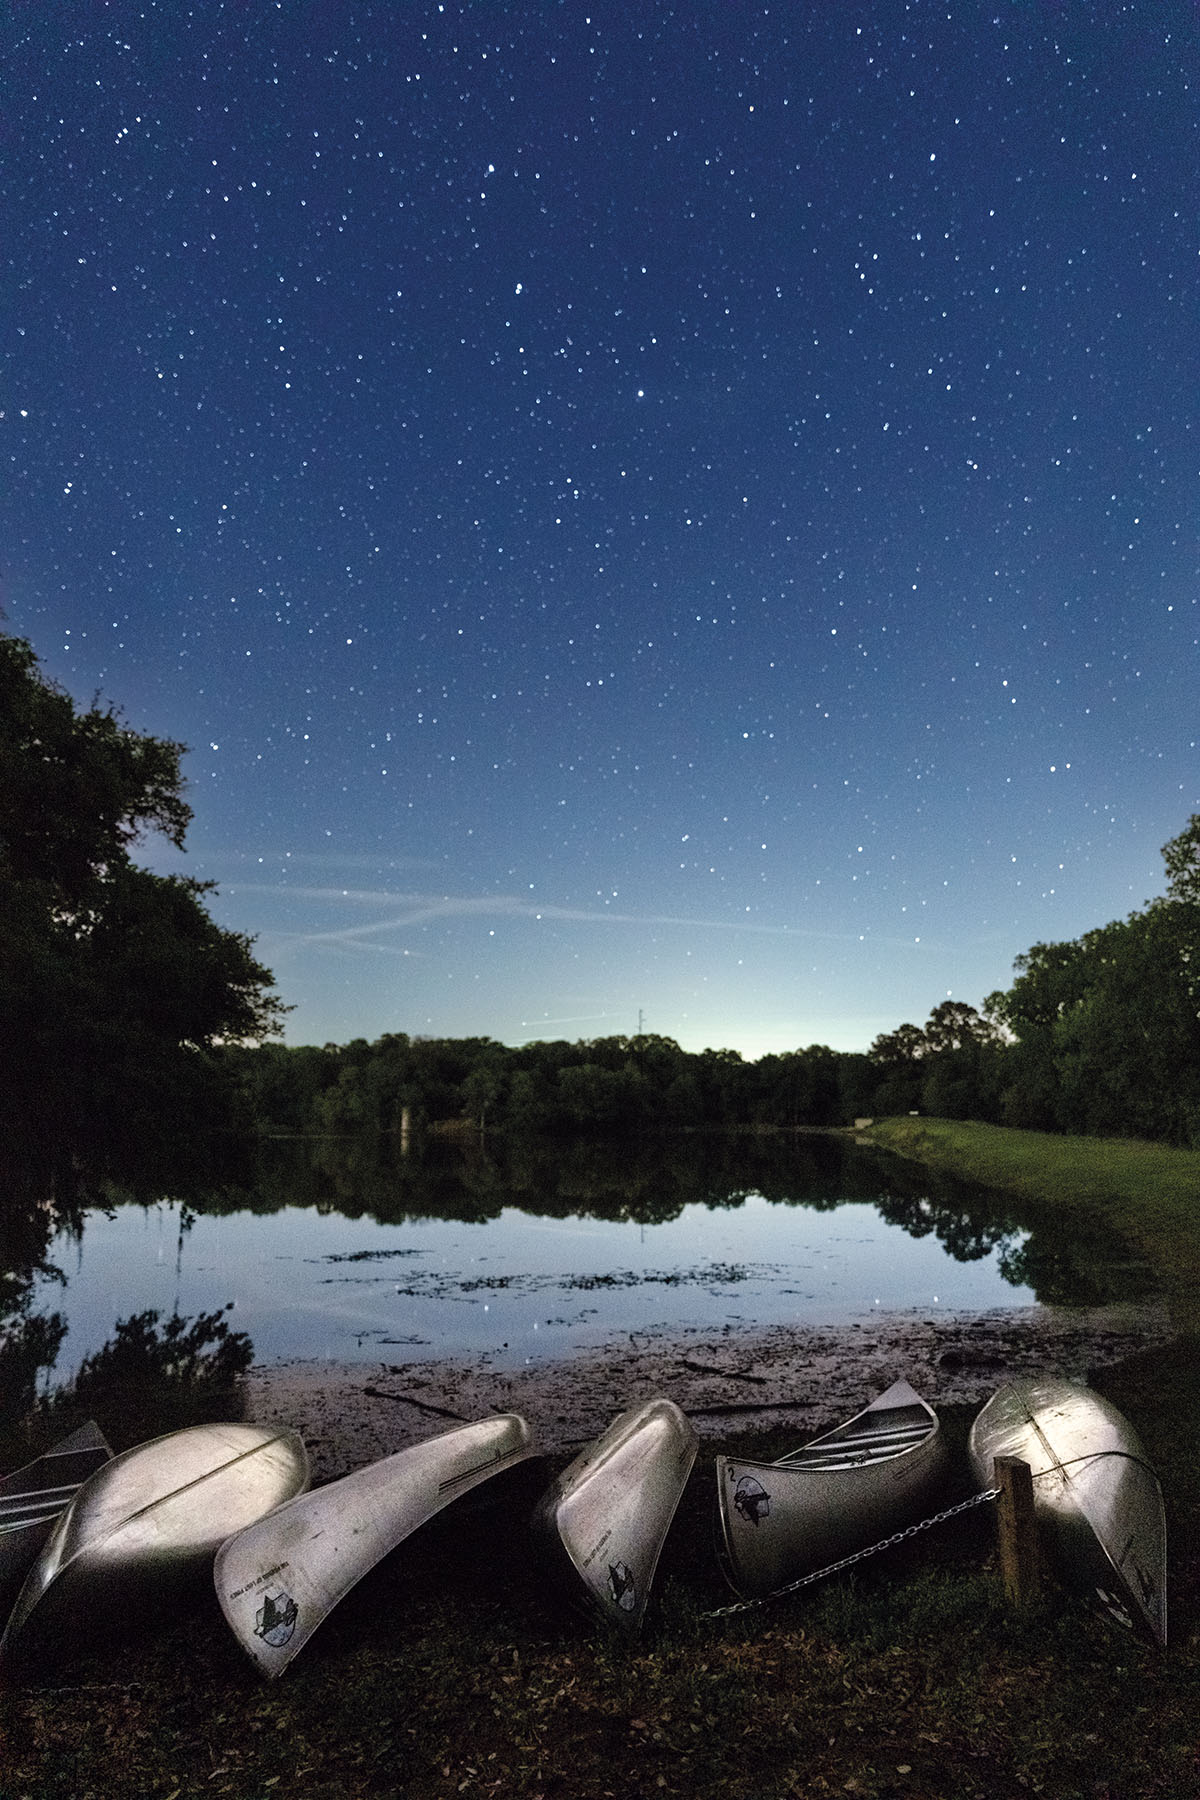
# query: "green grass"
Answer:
x=1149 y=1193
x=1041 y=1164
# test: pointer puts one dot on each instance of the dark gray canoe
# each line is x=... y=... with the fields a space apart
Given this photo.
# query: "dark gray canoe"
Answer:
x=32 y=1498
x=278 y=1579
x=145 y=1522
x=837 y=1494
x=1097 y=1500
x=602 y=1523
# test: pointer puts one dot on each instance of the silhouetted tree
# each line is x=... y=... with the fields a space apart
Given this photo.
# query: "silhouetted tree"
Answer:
x=116 y=986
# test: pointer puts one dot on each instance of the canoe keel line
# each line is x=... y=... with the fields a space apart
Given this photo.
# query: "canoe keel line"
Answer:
x=602 y=1523
x=280 y=1578
x=1097 y=1500
x=143 y=1524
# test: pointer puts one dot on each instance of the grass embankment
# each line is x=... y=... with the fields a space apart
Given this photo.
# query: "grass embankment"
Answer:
x=1149 y=1193
x=449 y=1672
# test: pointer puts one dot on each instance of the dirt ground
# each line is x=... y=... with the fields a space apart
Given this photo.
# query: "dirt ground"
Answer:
x=725 y=1379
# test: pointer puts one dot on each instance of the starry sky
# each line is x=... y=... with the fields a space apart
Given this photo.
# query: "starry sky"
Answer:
x=678 y=516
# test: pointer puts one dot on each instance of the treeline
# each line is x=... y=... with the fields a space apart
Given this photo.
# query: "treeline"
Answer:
x=1100 y=1035
x=601 y=1086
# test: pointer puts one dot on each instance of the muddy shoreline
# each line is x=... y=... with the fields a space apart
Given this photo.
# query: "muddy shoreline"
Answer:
x=726 y=1378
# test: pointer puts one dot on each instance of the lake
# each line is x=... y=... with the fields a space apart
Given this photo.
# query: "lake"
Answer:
x=349 y=1252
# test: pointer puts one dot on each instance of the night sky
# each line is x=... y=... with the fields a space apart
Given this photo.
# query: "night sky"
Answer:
x=644 y=514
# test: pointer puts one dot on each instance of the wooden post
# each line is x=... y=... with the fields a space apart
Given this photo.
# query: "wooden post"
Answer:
x=1020 y=1563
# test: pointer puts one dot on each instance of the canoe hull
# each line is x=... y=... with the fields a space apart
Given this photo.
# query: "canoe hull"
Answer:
x=1098 y=1502
x=278 y=1579
x=33 y=1498
x=603 y=1521
x=840 y=1493
x=146 y=1522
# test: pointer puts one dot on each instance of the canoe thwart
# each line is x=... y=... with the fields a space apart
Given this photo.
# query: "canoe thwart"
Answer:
x=832 y=1497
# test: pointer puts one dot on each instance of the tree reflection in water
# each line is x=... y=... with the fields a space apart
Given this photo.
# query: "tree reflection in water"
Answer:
x=1060 y=1253
x=149 y=1377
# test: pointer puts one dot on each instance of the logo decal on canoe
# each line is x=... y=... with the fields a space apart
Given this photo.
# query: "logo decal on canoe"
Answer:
x=1115 y=1607
x=751 y=1500
x=276 y=1618
x=622 y=1586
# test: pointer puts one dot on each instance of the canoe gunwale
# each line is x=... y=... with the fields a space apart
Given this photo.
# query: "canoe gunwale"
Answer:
x=29 y=1514
x=822 y=1514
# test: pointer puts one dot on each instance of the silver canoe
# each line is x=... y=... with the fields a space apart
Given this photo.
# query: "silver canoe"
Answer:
x=838 y=1494
x=147 y=1519
x=1097 y=1500
x=603 y=1521
x=32 y=1498
x=277 y=1580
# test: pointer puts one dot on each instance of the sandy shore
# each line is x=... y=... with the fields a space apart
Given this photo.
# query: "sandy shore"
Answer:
x=726 y=1379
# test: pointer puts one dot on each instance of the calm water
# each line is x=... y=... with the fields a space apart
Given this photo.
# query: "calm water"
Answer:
x=305 y=1284
x=314 y=1283
x=395 y=1261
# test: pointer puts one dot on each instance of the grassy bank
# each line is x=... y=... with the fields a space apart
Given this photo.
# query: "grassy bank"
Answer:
x=1150 y=1193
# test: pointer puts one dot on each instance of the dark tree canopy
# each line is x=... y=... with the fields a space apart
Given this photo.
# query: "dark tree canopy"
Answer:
x=1181 y=855
x=76 y=789
x=116 y=987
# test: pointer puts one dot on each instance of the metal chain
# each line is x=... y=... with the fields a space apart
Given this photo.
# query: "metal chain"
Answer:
x=897 y=1537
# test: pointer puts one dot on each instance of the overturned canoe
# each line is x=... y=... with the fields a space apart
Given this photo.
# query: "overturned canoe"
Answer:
x=840 y=1493
x=603 y=1521
x=277 y=1580
x=1097 y=1501
x=32 y=1498
x=145 y=1521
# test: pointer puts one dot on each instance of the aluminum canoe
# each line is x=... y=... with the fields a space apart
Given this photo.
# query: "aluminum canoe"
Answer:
x=32 y=1498
x=1098 y=1502
x=277 y=1580
x=144 y=1522
x=839 y=1493
x=603 y=1521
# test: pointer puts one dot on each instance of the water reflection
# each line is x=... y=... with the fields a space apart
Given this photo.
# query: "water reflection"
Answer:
x=345 y=1247
x=1066 y=1257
